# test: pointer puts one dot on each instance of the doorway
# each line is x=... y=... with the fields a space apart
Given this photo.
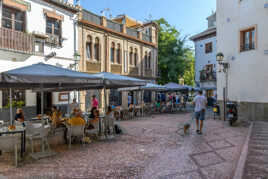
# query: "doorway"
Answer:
x=47 y=102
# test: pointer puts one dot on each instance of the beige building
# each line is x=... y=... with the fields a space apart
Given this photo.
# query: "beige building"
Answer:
x=121 y=45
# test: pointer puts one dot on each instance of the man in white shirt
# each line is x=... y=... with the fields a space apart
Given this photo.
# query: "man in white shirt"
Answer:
x=200 y=103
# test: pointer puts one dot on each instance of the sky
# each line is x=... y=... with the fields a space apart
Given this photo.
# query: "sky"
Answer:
x=188 y=16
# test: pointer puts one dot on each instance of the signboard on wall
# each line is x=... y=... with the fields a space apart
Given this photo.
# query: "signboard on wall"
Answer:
x=63 y=97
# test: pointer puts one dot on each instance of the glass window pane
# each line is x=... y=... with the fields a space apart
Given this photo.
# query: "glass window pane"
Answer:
x=7 y=13
x=49 y=30
x=112 y=54
x=88 y=50
x=19 y=26
x=246 y=38
x=56 y=31
x=7 y=23
x=253 y=38
x=19 y=16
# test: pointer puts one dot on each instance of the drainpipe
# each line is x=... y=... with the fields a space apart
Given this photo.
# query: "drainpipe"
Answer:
x=1 y=11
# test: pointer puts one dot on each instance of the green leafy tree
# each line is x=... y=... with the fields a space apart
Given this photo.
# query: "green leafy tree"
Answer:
x=174 y=58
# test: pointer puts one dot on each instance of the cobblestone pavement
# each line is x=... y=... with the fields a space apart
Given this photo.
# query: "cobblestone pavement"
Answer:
x=151 y=149
x=256 y=166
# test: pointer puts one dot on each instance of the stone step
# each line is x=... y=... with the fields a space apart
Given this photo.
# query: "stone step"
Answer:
x=258 y=138
x=258 y=159
x=260 y=143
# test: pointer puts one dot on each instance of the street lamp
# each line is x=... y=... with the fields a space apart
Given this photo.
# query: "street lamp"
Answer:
x=76 y=61
x=225 y=65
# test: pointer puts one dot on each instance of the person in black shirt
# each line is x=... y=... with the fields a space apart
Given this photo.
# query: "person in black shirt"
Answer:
x=19 y=115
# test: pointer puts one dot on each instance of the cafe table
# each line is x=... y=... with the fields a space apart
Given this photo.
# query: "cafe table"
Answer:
x=19 y=130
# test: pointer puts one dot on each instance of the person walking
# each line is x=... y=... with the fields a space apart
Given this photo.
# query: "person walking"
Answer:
x=200 y=103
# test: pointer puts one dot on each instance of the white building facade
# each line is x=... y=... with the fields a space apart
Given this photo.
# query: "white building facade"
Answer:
x=242 y=38
x=205 y=57
x=33 y=31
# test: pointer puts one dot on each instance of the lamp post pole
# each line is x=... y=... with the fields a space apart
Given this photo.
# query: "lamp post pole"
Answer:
x=76 y=60
x=225 y=66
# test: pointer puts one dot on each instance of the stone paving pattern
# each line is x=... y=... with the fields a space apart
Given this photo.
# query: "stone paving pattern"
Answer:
x=153 y=148
x=256 y=166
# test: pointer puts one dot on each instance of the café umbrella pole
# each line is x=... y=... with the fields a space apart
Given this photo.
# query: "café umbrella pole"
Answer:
x=10 y=106
x=42 y=115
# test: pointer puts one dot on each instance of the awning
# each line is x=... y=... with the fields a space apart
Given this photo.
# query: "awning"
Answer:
x=147 y=87
x=47 y=76
x=175 y=87
x=113 y=81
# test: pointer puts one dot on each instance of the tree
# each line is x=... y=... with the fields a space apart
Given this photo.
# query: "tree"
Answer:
x=174 y=59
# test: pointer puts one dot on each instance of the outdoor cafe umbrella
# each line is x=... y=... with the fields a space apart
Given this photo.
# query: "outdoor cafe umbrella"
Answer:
x=175 y=87
x=41 y=76
x=148 y=86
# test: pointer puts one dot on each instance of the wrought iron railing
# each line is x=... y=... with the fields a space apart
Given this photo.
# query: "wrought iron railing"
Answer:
x=246 y=47
x=146 y=37
x=132 y=32
x=114 y=26
x=208 y=76
x=88 y=16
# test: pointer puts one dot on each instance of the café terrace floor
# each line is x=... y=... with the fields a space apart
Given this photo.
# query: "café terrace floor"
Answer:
x=151 y=149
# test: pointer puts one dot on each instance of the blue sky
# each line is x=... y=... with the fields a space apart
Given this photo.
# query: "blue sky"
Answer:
x=188 y=16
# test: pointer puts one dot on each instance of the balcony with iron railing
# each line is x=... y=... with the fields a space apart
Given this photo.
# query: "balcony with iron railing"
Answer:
x=146 y=37
x=91 y=17
x=206 y=76
x=132 y=32
x=16 y=41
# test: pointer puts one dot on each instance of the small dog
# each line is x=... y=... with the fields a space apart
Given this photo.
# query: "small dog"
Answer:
x=186 y=128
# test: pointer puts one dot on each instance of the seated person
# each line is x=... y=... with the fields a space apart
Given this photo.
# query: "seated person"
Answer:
x=131 y=107
x=92 y=116
x=76 y=120
x=55 y=116
x=109 y=121
x=19 y=115
x=76 y=112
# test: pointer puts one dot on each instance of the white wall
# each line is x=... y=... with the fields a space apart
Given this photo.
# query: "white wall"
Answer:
x=248 y=70
x=36 y=21
x=201 y=58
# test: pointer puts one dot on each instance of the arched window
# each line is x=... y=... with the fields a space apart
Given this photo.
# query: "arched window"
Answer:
x=97 y=49
x=131 y=56
x=118 y=54
x=136 y=57
x=89 y=47
x=149 y=60
x=145 y=60
x=112 y=52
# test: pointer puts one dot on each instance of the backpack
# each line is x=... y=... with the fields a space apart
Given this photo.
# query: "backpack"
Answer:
x=117 y=129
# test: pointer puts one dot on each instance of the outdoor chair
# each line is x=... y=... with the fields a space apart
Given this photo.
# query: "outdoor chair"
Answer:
x=9 y=143
x=109 y=126
x=35 y=131
x=76 y=131
x=94 y=131
x=125 y=114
